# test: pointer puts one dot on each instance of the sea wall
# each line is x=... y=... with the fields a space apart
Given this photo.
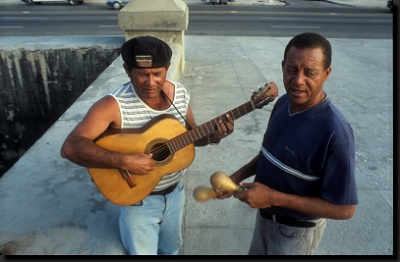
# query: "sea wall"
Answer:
x=38 y=83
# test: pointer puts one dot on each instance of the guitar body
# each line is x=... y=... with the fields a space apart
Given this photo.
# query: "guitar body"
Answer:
x=111 y=183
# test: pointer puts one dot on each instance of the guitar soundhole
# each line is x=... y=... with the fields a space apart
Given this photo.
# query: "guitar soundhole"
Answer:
x=161 y=153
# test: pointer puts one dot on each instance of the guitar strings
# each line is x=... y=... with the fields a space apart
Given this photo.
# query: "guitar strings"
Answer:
x=163 y=151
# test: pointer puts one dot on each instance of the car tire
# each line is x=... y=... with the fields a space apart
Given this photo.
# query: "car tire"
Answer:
x=73 y=2
x=28 y=2
x=117 y=5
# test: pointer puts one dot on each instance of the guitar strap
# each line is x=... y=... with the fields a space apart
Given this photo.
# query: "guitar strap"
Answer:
x=176 y=109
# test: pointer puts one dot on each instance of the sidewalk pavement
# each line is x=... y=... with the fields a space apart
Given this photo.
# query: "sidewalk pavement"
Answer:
x=50 y=206
x=360 y=3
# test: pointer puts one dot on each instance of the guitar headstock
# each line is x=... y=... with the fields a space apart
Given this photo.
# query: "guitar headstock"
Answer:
x=264 y=95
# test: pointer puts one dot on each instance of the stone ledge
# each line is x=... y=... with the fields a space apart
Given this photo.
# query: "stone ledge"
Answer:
x=33 y=43
x=13 y=44
x=177 y=65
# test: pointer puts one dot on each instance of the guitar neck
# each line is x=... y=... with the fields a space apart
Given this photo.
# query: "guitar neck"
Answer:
x=207 y=128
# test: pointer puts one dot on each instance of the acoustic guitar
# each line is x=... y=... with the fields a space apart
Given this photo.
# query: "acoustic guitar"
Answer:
x=170 y=143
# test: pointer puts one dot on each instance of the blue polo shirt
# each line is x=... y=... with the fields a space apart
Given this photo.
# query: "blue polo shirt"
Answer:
x=309 y=153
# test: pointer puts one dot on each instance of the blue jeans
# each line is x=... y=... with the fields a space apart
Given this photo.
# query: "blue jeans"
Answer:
x=153 y=226
x=272 y=238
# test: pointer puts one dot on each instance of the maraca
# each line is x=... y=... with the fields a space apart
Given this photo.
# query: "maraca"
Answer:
x=203 y=194
x=218 y=180
x=223 y=182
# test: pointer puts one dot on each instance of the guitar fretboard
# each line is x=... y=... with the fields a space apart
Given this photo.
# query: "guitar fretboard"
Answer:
x=207 y=128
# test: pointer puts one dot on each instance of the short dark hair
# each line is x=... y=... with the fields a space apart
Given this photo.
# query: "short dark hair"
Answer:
x=310 y=40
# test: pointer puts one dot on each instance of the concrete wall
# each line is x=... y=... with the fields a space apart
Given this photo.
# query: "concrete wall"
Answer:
x=38 y=83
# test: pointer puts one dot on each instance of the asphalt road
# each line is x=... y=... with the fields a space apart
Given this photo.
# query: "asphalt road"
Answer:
x=323 y=17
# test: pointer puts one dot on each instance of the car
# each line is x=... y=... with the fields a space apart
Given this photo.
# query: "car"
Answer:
x=117 y=4
x=389 y=4
x=38 y=2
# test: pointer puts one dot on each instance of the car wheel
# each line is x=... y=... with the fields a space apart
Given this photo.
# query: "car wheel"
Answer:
x=73 y=2
x=38 y=3
x=116 y=5
x=28 y=2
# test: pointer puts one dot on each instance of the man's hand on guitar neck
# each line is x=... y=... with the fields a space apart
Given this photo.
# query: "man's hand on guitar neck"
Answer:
x=222 y=130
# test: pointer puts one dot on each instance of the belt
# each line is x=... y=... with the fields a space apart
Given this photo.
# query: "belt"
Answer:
x=287 y=220
x=164 y=191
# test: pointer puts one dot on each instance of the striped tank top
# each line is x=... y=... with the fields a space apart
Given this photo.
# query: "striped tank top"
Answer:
x=135 y=114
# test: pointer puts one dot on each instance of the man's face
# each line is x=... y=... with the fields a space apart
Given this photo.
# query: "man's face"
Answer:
x=304 y=76
x=147 y=82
